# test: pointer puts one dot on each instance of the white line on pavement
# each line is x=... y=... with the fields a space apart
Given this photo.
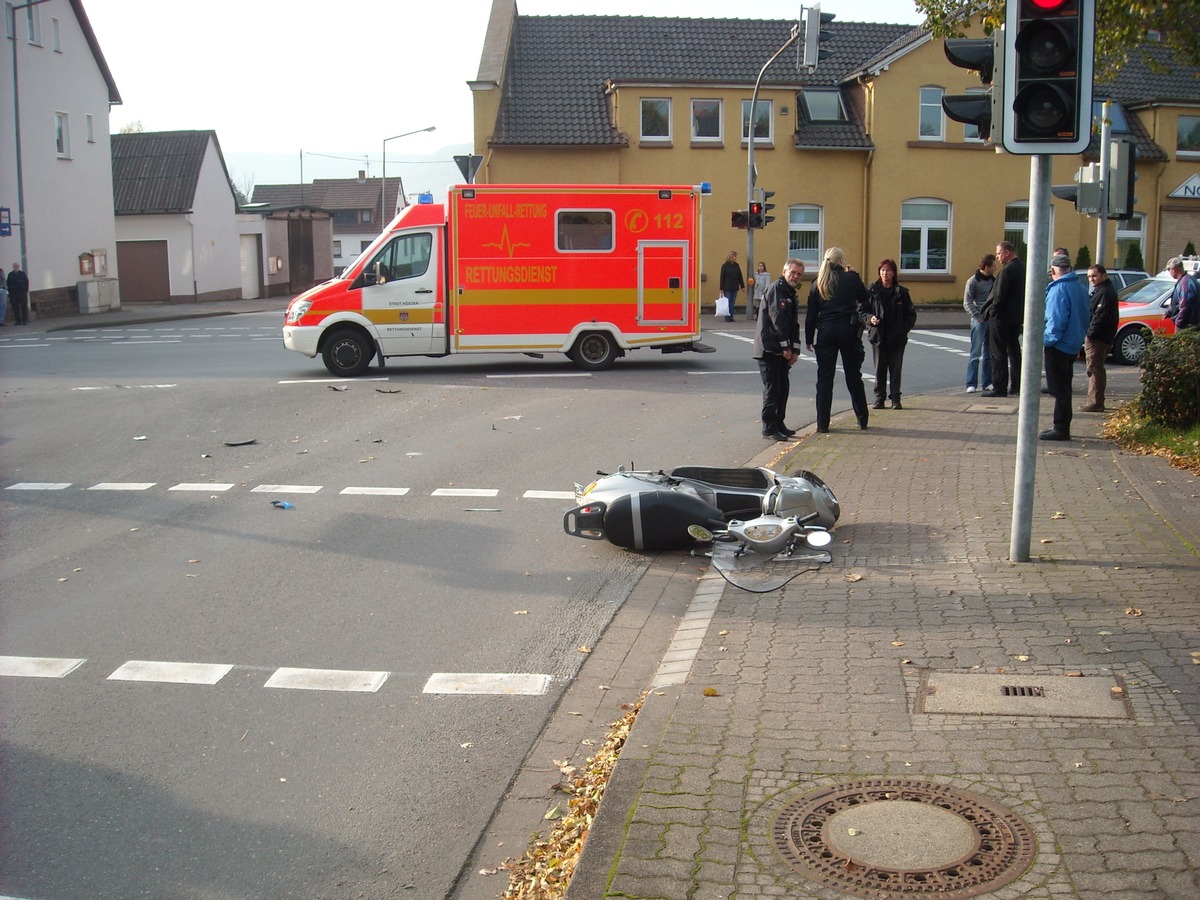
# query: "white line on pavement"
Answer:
x=465 y=492
x=38 y=666
x=487 y=683
x=327 y=680
x=170 y=672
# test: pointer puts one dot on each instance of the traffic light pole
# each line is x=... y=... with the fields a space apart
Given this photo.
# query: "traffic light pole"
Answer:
x=1105 y=187
x=1031 y=357
x=751 y=174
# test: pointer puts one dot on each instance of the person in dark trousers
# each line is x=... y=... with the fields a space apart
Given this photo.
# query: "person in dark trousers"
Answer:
x=1101 y=332
x=892 y=318
x=18 y=294
x=1184 y=296
x=3 y=299
x=776 y=347
x=1067 y=318
x=838 y=309
x=1005 y=314
x=731 y=282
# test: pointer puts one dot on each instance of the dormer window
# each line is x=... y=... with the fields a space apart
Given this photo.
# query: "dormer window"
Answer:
x=823 y=106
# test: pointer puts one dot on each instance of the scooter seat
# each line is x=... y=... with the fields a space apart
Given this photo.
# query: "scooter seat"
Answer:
x=747 y=479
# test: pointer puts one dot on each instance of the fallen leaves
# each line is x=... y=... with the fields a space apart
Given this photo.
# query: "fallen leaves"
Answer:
x=711 y=692
x=853 y=577
x=1132 y=611
x=545 y=870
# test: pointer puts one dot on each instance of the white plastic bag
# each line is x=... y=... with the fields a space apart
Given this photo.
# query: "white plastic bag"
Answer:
x=723 y=306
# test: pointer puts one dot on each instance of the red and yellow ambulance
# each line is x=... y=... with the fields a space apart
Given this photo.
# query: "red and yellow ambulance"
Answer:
x=592 y=271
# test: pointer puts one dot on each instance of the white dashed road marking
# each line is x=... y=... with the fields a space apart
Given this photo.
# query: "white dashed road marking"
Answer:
x=549 y=495
x=199 y=486
x=285 y=489
x=38 y=666
x=382 y=491
x=465 y=492
x=122 y=486
x=327 y=680
x=39 y=486
x=487 y=683
x=170 y=672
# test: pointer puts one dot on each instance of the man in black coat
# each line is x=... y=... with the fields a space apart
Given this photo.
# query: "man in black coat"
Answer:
x=775 y=348
x=1006 y=316
x=1101 y=331
x=18 y=293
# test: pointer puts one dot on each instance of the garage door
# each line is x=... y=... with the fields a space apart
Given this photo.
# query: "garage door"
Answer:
x=251 y=267
x=145 y=271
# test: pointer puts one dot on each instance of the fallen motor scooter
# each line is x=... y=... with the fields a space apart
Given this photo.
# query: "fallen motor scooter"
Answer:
x=761 y=524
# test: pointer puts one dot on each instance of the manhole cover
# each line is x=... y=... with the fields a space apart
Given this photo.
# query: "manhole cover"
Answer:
x=886 y=836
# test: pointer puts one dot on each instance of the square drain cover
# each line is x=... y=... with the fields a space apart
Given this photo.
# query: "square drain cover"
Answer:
x=1066 y=696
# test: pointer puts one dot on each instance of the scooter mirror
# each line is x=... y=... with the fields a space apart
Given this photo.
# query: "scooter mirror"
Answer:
x=818 y=537
x=700 y=533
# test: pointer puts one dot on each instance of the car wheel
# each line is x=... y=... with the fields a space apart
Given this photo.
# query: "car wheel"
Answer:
x=1130 y=345
x=348 y=352
x=594 y=351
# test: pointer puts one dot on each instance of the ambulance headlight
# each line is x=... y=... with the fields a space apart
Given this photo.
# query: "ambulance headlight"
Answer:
x=296 y=311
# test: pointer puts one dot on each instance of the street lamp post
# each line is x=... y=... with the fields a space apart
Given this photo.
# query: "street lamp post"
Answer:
x=383 y=177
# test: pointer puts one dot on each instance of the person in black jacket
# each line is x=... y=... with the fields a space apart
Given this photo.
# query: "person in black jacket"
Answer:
x=892 y=318
x=776 y=348
x=18 y=292
x=1101 y=332
x=1006 y=316
x=731 y=281
x=838 y=310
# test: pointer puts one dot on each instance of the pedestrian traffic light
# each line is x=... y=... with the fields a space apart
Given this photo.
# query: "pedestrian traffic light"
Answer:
x=815 y=35
x=756 y=215
x=981 y=109
x=740 y=219
x=1084 y=193
x=1048 y=49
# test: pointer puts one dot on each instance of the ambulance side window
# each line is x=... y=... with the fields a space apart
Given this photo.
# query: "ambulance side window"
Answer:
x=585 y=230
x=404 y=257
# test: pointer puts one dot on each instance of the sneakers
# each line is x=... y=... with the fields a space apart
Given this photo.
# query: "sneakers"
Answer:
x=971 y=389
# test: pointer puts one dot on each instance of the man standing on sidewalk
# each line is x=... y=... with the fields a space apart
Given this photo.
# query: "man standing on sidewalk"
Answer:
x=18 y=292
x=1102 y=330
x=1005 y=318
x=1066 y=325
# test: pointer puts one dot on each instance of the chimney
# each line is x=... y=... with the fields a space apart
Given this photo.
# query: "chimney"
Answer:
x=362 y=176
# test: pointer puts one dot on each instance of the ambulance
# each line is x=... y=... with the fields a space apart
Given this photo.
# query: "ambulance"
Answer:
x=592 y=271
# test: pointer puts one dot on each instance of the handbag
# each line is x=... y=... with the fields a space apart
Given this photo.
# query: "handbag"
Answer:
x=723 y=306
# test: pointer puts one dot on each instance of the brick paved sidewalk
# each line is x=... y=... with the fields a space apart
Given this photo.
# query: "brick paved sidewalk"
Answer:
x=843 y=678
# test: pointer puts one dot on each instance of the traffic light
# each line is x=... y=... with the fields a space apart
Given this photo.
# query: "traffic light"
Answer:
x=1048 y=49
x=1121 y=176
x=1084 y=193
x=740 y=219
x=815 y=35
x=764 y=196
x=981 y=109
x=756 y=215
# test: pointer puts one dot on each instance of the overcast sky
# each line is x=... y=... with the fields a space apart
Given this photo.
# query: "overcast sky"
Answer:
x=331 y=80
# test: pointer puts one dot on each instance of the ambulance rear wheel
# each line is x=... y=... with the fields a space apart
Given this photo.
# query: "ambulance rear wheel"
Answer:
x=594 y=351
x=348 y=353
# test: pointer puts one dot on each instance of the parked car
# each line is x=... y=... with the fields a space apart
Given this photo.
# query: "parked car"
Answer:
x=1143 y=313
x=1121 y=278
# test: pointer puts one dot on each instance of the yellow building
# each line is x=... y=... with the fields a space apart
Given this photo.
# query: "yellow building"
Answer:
x=859 y=153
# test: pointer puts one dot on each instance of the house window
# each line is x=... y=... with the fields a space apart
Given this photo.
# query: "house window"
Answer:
x=823 y=106
x=1189 y=134
x=337 y=248
x=364 y=216
x=933 y=126
x=924 y=236
x=55 y=36
x=91 y=128
x=1016 y=227
x=584 y=229
x=804 y=234
x=1131 y=234
x=706 y=120
x=62 y=135
x=363 y=245
x=762 y=121
x=33 y=20
x=970 y=131
x=656 y=119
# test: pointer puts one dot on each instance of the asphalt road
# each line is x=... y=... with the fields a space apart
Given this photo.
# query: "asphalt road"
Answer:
x=312 y=734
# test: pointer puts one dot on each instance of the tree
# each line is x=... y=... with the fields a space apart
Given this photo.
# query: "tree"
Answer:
x=1084 y=259
x=1133 y=257
x=133 y=128
x=1121 y=28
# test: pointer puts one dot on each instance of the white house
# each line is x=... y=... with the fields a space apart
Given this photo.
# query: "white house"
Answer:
x=55 y=169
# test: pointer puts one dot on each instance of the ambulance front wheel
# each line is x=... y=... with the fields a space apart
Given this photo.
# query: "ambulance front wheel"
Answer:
x=348 y=352
x=595 y=350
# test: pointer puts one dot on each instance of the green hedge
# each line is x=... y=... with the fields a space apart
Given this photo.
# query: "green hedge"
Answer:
x=1171 y=380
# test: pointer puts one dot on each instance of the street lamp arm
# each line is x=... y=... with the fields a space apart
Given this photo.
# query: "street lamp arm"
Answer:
x=383 y=175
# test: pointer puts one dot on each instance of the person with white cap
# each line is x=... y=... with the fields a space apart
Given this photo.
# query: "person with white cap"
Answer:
x=1067 y=317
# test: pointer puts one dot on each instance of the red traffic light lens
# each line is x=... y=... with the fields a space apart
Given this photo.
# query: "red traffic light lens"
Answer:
x=755 y=209
x=1046 y=5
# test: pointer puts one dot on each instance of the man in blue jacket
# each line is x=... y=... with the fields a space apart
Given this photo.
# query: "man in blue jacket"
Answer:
x=1067 y=318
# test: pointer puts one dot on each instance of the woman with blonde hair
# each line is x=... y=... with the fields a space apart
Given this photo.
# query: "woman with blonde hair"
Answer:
x=838 y=311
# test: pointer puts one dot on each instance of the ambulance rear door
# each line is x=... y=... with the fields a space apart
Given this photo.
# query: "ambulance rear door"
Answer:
x=401 y=290
x=663 y=289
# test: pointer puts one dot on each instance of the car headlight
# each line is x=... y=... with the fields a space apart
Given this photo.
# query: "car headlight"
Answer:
x=296 y=311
